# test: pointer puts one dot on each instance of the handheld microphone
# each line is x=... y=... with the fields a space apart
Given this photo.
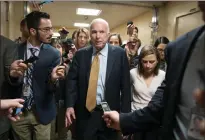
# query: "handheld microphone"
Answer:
x=129 y=23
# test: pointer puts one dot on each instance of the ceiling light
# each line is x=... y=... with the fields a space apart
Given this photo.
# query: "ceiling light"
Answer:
x=88 y=12
x=81 y=24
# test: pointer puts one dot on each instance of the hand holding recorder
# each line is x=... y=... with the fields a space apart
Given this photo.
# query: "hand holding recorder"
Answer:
x=58 y=72
x=8 y=108
x=18 y=67
x=112 y=119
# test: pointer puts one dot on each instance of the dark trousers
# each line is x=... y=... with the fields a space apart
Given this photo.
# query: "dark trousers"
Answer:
x=148 y=135
x=7 y=135
x=4 y=136
x=95 y=128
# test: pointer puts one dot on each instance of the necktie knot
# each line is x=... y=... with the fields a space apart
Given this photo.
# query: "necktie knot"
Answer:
x=97 y=53
x=33 y=51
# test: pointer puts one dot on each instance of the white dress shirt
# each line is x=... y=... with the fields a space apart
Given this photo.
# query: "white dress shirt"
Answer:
x=102 y=73
x=141 y=93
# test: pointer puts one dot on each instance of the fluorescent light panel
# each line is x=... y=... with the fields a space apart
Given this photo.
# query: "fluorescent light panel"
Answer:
x=81 y=24
x=88 y=12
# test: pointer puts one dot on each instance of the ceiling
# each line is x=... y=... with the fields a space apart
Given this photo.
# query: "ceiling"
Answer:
x=116 y=13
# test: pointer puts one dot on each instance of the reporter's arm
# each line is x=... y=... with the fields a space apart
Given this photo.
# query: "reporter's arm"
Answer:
x=146 y=118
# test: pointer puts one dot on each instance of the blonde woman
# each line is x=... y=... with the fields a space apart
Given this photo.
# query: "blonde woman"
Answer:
x=82 y=38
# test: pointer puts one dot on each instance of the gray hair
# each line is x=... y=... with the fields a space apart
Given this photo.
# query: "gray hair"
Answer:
x=102 y=21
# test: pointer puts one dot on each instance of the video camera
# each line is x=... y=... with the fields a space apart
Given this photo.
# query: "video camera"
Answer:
x=68 y=44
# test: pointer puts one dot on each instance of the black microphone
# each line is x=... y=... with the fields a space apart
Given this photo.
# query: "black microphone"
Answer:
x=129 y=23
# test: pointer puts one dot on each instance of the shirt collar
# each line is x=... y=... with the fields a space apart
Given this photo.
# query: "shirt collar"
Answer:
x=103 y=52
x=29 y=45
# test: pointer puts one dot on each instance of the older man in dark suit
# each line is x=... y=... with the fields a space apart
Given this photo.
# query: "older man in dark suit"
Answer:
x=174 y=106
x=98 y=73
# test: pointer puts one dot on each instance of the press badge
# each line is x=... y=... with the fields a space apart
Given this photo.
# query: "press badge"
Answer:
x=25 y=90
x=197 y=116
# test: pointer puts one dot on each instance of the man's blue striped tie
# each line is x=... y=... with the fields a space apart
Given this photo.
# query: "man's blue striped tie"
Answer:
x=29 y=99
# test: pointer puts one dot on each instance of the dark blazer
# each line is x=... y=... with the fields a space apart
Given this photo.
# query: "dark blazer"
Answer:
x=117 y=79
x=7 y=56
x=49 y=58
x=161 y=109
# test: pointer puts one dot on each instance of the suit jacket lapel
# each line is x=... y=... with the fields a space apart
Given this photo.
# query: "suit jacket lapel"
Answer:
x=43 y=51
x=110 y=62
x=88 y=60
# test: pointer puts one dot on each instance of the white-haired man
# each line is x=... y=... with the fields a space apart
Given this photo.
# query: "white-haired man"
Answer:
x=98 y=73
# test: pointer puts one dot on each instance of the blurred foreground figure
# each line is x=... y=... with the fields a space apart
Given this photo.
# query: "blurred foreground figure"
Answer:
x=178 y=104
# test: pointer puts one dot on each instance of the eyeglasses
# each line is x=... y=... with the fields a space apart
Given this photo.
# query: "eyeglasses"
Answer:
x=46 y=30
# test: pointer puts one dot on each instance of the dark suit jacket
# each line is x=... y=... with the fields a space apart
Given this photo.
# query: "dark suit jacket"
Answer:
x=117 y=79
x=161 y=109
x=8 y=54
x=49 y=57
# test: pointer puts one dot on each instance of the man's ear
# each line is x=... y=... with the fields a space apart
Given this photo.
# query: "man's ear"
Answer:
x=33 y=31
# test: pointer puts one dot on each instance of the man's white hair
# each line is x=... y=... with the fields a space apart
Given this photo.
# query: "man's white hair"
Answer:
x=102 y=21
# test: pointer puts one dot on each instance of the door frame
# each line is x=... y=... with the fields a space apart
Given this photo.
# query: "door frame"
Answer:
x=192 y=11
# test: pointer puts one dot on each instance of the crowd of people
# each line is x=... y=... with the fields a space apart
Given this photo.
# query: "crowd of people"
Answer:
x=59 y=84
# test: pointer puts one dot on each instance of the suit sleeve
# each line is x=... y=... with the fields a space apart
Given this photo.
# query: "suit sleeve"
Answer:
x=53 y=86
x=146 y=118
x=125 y=85
x=71 y=82
x=10 y=55
x=149 y=117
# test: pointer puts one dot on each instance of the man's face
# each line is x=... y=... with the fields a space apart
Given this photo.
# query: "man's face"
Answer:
x=99 y=34
x=201 y=5
x=45 y=31
x=132 y=43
